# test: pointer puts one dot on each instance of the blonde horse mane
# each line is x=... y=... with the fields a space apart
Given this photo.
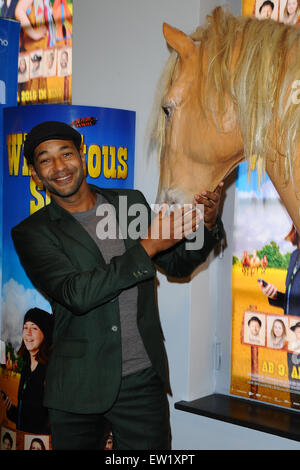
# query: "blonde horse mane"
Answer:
x=258 y=79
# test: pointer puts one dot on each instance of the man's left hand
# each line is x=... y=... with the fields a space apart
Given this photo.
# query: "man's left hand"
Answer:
x=211 y=202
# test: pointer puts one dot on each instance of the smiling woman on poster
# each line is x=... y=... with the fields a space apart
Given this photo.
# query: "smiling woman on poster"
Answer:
x=278 y=334
x=30 y=414
x=291 y=13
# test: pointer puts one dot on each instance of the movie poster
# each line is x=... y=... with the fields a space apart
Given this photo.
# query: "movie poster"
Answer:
x=265 y=360
x=45 y=56
x=285 y=11
x=265 y=364
x=108 y=145
x=9 y=49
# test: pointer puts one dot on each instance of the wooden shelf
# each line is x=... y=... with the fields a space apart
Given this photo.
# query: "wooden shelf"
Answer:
x=255 y=415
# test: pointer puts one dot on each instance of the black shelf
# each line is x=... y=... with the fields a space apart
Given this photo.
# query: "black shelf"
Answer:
x=242 y=412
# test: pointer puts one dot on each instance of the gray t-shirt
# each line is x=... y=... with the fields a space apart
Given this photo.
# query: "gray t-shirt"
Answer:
x=134 y=355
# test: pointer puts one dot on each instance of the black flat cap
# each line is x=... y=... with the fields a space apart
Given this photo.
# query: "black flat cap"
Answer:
x=297 y=325
x=49 y=130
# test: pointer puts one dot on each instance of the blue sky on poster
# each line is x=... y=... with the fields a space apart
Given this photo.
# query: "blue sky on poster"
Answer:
x=250 y=189
x=259 y=215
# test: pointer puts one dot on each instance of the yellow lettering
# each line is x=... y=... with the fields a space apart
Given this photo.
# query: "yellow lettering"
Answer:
x=14 y=145
x=28 y=95
x=122 y=158
x=39 y=201
x=55 y=93
x=42 y=94
x=268 y=367
x=113 y=161
x=94 y=161
x=25 y=168
x=281 y=370
x=109 y=171
x=294 y=374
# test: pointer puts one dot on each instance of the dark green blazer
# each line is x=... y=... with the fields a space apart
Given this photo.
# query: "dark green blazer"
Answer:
x=65 y=264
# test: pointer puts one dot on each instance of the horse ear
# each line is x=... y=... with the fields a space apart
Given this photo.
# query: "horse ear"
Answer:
x=178 y=40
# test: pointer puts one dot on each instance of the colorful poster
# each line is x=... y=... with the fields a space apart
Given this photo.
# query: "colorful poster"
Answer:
x=45 y=56
x=9 y=47
x=265 y=364
x=285 y=11
x=108 y=144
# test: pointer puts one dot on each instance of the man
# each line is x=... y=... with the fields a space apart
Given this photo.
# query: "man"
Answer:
x=289 y=301
x=108 y=357
x=266 y=9
x=295 y=345
x=7 y=441
x=254 y=325
x=8 y=9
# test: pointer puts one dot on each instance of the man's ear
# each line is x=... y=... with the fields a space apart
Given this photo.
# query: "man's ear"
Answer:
x=34 y=175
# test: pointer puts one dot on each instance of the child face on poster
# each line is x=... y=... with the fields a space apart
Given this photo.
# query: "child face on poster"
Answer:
x=254 y=327
x=266 y=10
x=32 y=337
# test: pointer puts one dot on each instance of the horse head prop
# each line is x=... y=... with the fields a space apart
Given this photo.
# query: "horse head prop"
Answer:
x=229 y=93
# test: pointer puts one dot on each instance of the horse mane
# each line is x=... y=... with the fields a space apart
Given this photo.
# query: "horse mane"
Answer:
x=259 y=82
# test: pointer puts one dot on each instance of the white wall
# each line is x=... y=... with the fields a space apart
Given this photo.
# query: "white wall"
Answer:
x=118 y=54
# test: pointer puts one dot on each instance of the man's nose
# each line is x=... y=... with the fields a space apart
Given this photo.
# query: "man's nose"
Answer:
x=59 y=163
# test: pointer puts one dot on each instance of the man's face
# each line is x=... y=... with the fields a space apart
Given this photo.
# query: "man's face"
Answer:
x=59 y=166
x=64 y=60
x=254 y=327
x=50 y=60
x=35 y=65
x=297 y=332
x=266 y=11
x=6 y=444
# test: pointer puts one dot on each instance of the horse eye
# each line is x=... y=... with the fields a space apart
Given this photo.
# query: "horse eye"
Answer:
x=167 y=110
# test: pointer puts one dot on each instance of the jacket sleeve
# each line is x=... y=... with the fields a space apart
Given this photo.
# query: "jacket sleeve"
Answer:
x=12 y=414
x=181 y=262
x=56 y=276
x=279 y=302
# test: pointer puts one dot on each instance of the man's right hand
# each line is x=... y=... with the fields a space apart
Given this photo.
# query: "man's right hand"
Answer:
x=6 y=402
x=269 y=290
x=167 y=229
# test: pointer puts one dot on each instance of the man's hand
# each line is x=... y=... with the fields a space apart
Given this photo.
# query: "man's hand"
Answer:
x=269 y=290
x=211 y=202
x=6 y=402
x=168 y=228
